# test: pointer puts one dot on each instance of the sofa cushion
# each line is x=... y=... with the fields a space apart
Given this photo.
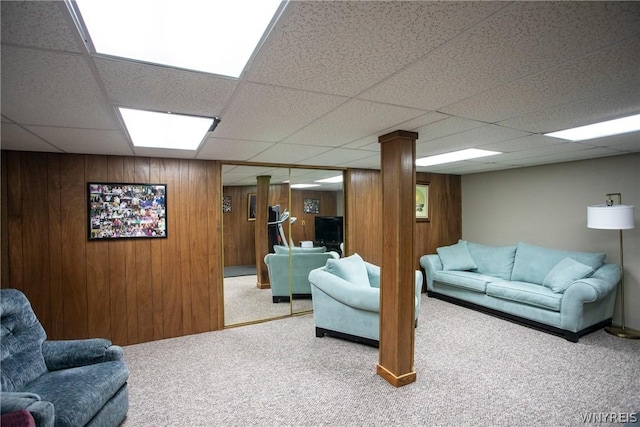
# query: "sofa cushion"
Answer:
x=565 y=273
x=296 y=249
x=79 y=393
x=493 y=260
x=533 y=263
x=526 y=293
x=464 y=279
x=456 y=257
x=352 y=269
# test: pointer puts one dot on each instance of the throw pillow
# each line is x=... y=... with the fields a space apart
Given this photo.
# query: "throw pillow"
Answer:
x=456 y=257
x=565 y=273
x=352 y=269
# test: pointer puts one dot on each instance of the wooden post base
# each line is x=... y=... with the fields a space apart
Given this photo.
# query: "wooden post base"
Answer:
x=394 y=380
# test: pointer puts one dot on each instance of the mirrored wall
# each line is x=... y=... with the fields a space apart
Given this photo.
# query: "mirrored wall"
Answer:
x=304 y=226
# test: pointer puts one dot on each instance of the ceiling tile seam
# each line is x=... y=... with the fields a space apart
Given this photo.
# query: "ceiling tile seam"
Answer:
x=433 y=51
x=528 y=76
x=36 y=135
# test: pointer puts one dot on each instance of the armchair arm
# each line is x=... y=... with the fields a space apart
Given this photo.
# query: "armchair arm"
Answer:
x=373 y=271
x=72 y=353
x=361 y=297
x=42 y=411
x=431 y=263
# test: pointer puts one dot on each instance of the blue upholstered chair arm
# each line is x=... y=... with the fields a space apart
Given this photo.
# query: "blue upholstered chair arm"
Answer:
x=431 y=263
x=42 y=412
x=357 y=296
x=373 y=271
x=72 y=353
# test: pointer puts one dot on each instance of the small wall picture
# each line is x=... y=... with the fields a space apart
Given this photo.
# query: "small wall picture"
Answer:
x=251 y=207
x=311 y=206
x=226 y=204
x=422 y=202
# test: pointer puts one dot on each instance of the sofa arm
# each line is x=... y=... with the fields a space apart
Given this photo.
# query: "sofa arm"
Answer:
x=595 y=287
x=42 y=411
x=361 y=297
x=66 y=354
x=373 y=271
x=431 y=263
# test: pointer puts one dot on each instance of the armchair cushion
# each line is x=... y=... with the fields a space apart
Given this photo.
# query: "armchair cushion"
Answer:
x=352 y=269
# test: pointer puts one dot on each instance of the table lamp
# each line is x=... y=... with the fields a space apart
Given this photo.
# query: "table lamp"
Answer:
x=610 y=216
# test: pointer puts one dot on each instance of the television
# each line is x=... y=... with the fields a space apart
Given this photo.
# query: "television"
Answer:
x=329 y=230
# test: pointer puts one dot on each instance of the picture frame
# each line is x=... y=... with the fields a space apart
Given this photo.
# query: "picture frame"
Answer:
x=422 y=202
x=126 y=210
x=226 y=204
x=251 y=207
x=311 y=206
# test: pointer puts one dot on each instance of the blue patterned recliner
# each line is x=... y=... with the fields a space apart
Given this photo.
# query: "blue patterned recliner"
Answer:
x=61 y=383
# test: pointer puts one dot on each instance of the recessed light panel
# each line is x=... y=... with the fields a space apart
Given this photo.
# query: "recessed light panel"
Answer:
x=164 y=130
x=214 y=36
x=455 y=156
x=599 y=130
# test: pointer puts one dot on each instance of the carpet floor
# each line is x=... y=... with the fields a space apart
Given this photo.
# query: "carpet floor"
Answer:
x=472 y=370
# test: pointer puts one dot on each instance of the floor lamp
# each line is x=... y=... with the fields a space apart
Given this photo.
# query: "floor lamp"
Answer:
x=614 y=217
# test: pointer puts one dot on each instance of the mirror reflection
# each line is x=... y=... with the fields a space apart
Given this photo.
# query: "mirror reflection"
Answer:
x=302 y=229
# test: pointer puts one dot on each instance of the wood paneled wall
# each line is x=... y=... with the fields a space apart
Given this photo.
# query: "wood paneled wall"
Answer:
x=364 y=214
x=129 y=291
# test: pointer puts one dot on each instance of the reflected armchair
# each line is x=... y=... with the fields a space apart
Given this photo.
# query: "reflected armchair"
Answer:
x=62 y=383
x=346 y=299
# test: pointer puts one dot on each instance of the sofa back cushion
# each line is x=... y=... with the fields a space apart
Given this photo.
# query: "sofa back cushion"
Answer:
x=496 y=261
x=21 y=339
x=352 y=269
x=533 y=263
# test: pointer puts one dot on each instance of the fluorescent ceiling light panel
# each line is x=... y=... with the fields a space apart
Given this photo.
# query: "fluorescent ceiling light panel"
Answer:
x=599 y=130
x=334 y=179
x=212 y=36
x=455 y=156
x=165 y=130
x=304 y=185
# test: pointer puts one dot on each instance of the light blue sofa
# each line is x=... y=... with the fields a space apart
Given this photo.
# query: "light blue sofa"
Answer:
x=302 y=261
x=62 y=383
x=346 y=299
x=566 y=293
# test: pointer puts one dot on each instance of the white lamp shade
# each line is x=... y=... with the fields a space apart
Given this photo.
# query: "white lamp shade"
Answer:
x=616 y=217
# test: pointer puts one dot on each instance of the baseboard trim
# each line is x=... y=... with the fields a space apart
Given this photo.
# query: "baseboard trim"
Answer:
x=568 y=335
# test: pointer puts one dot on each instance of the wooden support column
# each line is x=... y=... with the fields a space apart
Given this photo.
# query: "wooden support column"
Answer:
x=261 y=234
x=397 y=279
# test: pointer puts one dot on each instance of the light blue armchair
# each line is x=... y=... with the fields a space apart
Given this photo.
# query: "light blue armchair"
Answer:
x=303 y=260
x=62 y=383
x=346 y=299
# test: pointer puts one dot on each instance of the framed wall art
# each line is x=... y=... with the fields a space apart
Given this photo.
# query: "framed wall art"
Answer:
x=251 y=207
x=422 y=201
x=311 y=206
x=126 y=210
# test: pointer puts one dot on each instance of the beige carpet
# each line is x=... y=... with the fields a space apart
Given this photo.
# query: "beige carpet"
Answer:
x=472 y=370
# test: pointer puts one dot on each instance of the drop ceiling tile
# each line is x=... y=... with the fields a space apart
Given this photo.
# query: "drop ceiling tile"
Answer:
x=589 y=153
x=288 y=153
x=41 y=24
x=164 y=153
x=270 y=113
x=66 y=95
x=372 y=162
x=446 y=127
x=85 y=141
x=17 y=138
x=159 y=88
x=520 y=40
x=615 y=140
x=530 y=142
x=609 y=70
x=584 y=112
x=351 y=121
x=473 y=138
x=309 y=49
x=336 y=156
x=227 y=149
